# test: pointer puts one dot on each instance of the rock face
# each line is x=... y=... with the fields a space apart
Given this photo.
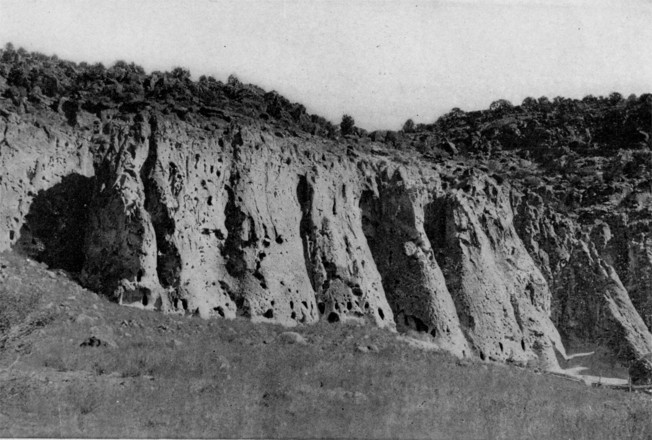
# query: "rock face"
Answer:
x=240 y=222
x=120 y=249
x=293 y=230
x=192 y=210
x=393 y=218
x=45 y=168
x=589 y=301
x=501 y=296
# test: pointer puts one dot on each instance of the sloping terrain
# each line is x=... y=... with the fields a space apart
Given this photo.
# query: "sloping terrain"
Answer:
x=157 y=375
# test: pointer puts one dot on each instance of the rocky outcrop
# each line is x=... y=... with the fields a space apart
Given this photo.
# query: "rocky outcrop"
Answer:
x=291 y=230
x=393 y=221
x=221 y=200
x=120 y=248
x=239 y=222
x=44 y=165
x=243 y=222
x=628 y=247
x=502 y=298
x=639 y=274
x=589 y=301
x=339 y=261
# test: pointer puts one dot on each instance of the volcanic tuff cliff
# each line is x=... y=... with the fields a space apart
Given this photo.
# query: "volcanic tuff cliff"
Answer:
x=250 y=206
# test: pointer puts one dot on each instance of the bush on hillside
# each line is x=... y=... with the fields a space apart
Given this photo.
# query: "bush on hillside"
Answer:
x=347 y=126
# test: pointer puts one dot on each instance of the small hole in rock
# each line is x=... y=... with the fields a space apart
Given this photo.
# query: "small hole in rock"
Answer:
x=269 y=314
x=219 y=310
x=380 y=313
x=420 y=325
x=279 y=239
x=349 y=305
x=482 y=356
x=292 y=304
x=523 y=344
x=293 y=315
x=500 y=344
x=333 y=317
x=321 y=307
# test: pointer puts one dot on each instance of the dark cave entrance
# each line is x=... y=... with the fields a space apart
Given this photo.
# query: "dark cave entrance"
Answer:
x=54 y=228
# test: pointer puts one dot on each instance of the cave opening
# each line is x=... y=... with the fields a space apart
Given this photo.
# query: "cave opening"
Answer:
x=54 y=229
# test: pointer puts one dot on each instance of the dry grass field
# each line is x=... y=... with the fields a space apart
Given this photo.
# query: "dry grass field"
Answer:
x=156 y=375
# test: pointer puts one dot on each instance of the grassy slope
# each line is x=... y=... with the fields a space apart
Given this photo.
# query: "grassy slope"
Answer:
x=180 y=376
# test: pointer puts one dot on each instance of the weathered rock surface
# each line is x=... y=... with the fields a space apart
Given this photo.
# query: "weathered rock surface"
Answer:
x=393 y=222
x=40 y=162
x=238 y=222
x=502 y=298
x=589 y=301
x=222 y=211
x=120 y=248
x=242 y=221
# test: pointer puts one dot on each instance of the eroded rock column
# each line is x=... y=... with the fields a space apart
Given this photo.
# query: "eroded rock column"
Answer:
x=393 y=216
x=501 y=297
x=120 y=242
x=342 y=270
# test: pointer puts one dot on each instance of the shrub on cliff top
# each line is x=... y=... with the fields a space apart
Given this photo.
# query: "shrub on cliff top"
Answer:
x=408 y=127
x=347 y=126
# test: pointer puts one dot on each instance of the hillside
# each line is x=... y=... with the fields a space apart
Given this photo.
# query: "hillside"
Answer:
x=158 y=375
x=514 y=235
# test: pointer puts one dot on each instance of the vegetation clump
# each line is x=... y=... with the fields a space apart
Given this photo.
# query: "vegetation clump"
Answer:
x=347 y=126
x=45 y=80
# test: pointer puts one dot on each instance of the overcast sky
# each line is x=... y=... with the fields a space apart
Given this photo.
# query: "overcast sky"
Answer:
x=380 y=61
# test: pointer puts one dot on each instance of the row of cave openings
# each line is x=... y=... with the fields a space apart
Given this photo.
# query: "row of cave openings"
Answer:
x=57 y=236
x=51 y=234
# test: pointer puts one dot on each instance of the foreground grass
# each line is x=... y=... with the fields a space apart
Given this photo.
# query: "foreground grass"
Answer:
x=182 y=377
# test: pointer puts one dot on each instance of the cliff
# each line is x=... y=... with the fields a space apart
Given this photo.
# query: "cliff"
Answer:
x=155 y=192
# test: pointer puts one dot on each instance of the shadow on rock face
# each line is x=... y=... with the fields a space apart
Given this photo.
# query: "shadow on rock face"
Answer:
x=53 y=232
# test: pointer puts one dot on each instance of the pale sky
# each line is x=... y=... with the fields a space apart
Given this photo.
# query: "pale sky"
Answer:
x=380 y=61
